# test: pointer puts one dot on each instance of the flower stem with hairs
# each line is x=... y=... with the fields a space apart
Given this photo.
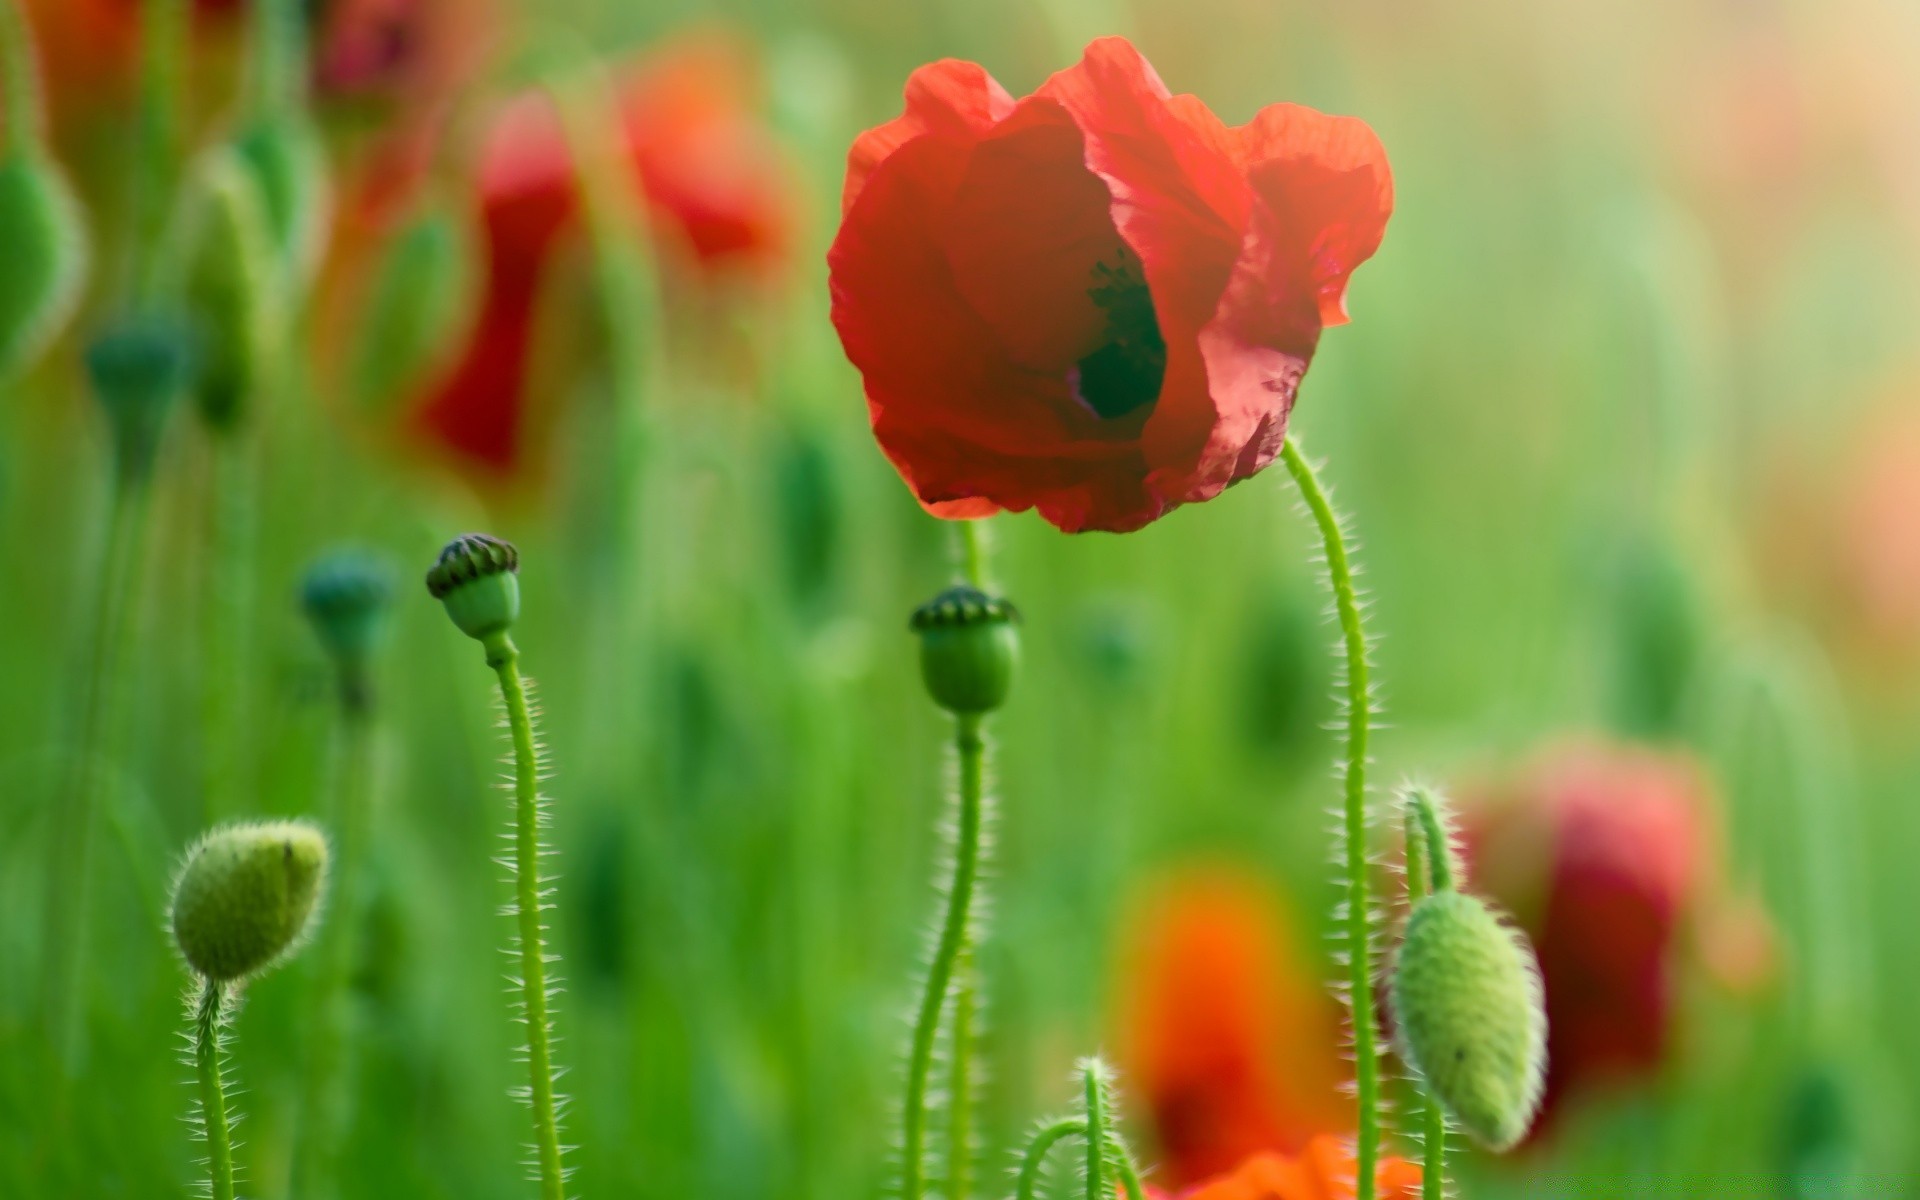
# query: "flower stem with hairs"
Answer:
x=1429 y=870
x=1358 y=701
x=208 y=1054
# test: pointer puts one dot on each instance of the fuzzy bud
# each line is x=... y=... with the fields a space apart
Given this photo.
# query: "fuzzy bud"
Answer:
x=345 y=596
x=477 y=578
x=232 y=287
x=246 y=897
x=968 y=649
x=45 y=264
x=1471 y=1018
x=139 y=367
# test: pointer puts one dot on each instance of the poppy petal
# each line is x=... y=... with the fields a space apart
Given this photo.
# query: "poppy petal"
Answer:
x=949 y=97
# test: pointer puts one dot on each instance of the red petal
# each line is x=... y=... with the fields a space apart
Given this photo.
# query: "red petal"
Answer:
x=950 y=97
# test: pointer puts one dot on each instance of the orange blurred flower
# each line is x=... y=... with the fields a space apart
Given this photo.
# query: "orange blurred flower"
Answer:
x=718 y=193
x=1609 y=859
x=1229 y=1038
x=1321 y=1171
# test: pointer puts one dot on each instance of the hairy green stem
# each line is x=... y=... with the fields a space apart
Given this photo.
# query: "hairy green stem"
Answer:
x=207 y=1056
x=1359 y=931
x=504 y=658
x=20 y=89
x=1037 y=1150
x=1129 y=1170
x=1096 y=1092
x=960 y=1081
x=330 y=1063
x=63 y=946
x=1428 y=870
x=971 y=751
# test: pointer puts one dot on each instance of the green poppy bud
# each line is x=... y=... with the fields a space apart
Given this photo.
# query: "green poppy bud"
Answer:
x=477 y=578
x=138 y=367
x=232 y=287
x=45 y=262
x=1470 y=1014
x=246 y=897
x=288 y=164
x=345 y=595
x=968 y=648
x=411 y=311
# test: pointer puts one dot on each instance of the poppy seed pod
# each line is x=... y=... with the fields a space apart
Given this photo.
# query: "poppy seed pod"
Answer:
x=138 y=368
x=968 y=648
x=246 y=897
x=1468 y=1005
x=477 y=578
x=46 y=259
x=345 y=595
x=232 y=288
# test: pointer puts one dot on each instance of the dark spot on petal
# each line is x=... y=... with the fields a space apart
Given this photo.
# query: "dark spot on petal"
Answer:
x=1125 y=372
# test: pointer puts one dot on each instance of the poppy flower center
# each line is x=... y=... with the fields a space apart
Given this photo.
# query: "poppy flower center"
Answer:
x=1124 y=373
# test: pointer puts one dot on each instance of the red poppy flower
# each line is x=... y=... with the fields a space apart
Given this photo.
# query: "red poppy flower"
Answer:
x=716 y=188
x=1606 y=856
x=1229 y=1037
x=1098 y=301
x=1322 y=1171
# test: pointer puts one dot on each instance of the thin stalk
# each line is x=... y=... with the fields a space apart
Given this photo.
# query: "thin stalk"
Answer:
x=1359 y=931
x=504 y=658
x=973 y=552
x=330 y=1064
x=207 y=1056
x=20 y=88
x=226 y=612
x=64 y=941
x=960 y=1081
x=158 y=133
x=1096 y=1092
x=1428 y=871
x=279 y=49
x=1036 y=1157
x=971 y=751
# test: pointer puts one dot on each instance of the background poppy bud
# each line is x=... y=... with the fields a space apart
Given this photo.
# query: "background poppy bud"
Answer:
x=246 y=897
x=46 y=257
x=288 y=165
x=477 y=578
x=411 y=310
x=1471 y=1017
x=231 y=288
x=968 y=648
x=138 y=368
x=345 y=595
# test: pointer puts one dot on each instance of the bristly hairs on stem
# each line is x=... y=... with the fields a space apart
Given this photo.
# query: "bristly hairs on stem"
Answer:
x=1356 y=915
x=1107 y=1155
x=1431 y=866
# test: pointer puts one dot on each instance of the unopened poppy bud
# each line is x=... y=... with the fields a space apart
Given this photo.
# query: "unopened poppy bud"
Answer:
x=968 y=648
x=288 y=165
x=138 y=368
x=345 y=595
x=1468 y=1006
x=411 y=311
x=246 y=897
x=232 y=287
x=45 y=262
x=477 y=578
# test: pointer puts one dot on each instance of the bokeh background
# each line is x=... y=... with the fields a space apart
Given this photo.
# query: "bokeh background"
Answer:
x=1626 y=420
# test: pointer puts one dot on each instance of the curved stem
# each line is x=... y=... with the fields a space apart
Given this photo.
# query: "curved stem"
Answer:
x=1359 y=931
x=20 y=89
x=1129 y=1171
x=64 y=939
x=279 y=50
x=1036 y=1156
x=960 y=1081
x=504 y=658
x=1096 y=1101
x=971 y=750
x=1427 y=861
x=213 y=1089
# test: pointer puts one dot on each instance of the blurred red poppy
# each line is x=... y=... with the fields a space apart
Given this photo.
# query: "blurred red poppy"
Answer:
x=1229 y=1038
x=1099 y=301
x=1322 y=1171
x=718 y=192
x=1606 y=856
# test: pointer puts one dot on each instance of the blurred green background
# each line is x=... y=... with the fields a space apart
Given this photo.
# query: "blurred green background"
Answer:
x=1648 y=297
